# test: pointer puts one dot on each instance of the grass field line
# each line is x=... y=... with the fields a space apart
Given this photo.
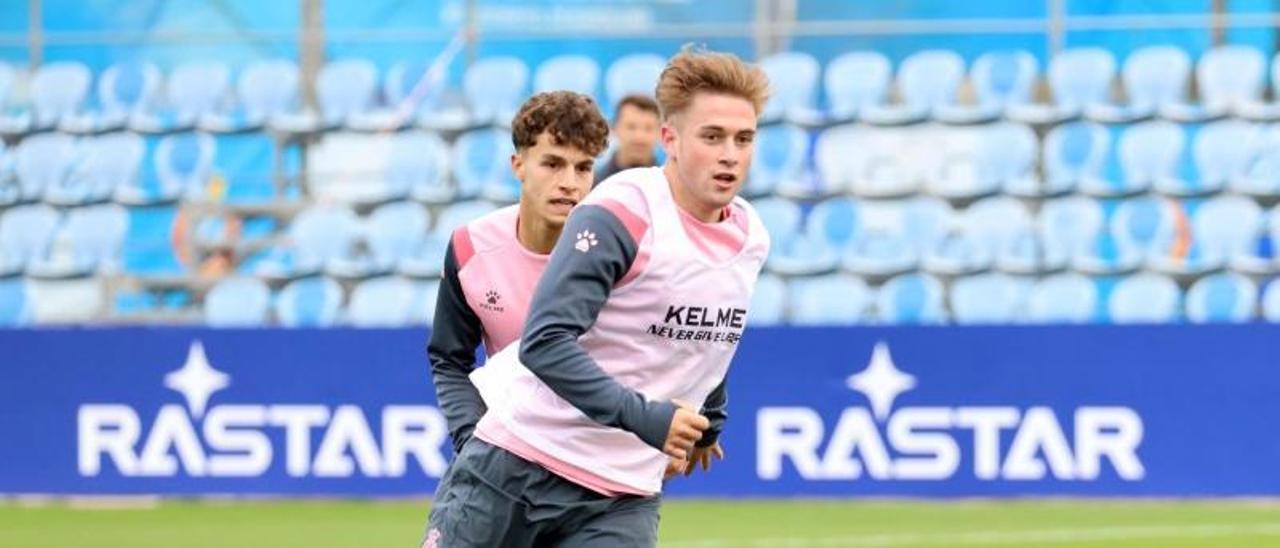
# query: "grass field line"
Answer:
x=979 y=538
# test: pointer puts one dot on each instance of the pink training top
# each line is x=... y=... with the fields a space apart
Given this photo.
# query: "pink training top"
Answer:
x=497 y=274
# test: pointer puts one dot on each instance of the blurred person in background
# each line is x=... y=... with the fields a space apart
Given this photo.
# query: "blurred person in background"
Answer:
x=635 y=126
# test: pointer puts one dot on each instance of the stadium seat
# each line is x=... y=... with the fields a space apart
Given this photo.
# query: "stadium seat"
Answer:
x=394 y=231
x=911 y=299
x=1259 y=255
x=870 y=162
x=833 y=299
x=1145 y=298
x=927 y=81
x=237 y=302
x=1145 y=223
x=398 y=87
x=266 y=88
x=1221 y=298
x=124 y=90
x=1000 y=79
x=1149 y=153
x=10 y=191
x=1261 y=174
x=1223 y=229
x=90 y=241
x=309 y=302
x=43 y=162
x=631 y=74
x=966 y=162
x=482 y=166
x=1222 y=152
x=26 y=232
x=987 y=230
x=1154 y=77
x=58 y=90
x=382 y=302
x=1067 y=227
x=494 y=87
x=14 y=307
x=793 y=78
x=319 y=237
x=894 y=236
x=426 y=261
x=992 y=298
x=418 y=167
x=66 y=301
x=781 y=217
x=1078 y=77
x=855 y=81
x=831 y=226
x=1013 y=152
x=768 y=302
x=1063 y=298
x=106 y=163
x=780 y=157
x=194 y=89
x=1271 y=301
x=345 y=88
x=577 y=73
x=1230 y=77
x=1072 y=153
x=423 y=310
x=182 y=164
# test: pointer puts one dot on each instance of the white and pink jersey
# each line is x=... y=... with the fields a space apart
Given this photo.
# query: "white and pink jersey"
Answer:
x=667 y=331
x=497 y=274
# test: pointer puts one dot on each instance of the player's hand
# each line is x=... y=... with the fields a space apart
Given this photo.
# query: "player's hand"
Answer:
x=701 y=456
x=685 y=430
x=675 y=467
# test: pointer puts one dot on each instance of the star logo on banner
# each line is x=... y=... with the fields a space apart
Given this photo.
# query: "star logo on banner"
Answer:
x=197 y=380
x=881 y=382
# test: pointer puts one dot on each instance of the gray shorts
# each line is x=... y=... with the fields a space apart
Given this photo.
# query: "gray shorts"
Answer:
x=491 y=497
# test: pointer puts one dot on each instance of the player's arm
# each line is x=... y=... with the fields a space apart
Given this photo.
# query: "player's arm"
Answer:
x=568 y=298
x=716 y=411
x=455 y=335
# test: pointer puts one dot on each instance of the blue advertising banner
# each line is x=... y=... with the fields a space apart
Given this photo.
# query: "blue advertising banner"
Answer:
x=919 y=411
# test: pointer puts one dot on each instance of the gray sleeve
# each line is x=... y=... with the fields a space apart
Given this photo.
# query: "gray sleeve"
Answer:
x=455 y=336
x=716 y=411
x=565 y=304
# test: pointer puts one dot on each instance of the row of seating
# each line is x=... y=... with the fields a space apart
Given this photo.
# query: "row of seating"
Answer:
x=856 y=85
x=996 y=298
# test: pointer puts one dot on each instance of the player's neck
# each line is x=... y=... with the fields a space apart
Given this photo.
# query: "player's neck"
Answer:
x=700 y=211
x=535 y=234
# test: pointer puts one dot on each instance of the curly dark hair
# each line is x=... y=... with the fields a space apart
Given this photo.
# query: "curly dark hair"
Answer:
x=573 y=119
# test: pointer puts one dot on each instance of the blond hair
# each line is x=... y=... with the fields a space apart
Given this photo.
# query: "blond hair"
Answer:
x=696 y=70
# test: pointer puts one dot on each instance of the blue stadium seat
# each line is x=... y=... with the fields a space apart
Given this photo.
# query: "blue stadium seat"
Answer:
x=768 y=302
x=15 y=310
x=1149 y=154
x=237 y=302
x=1223 y=229
x=1079 y=77
x=781 y=217
x=494 y=87
x=992 y=298
x=93 y=239
x=871 y=162
x=10 y=192
x=636 y=74
x=1259 y=255
x=1072 y=153
x=793 y=77
x=1013 y=152
x=58 y=90
x=309 y=302
x=1154 y=77
x=124 y=90
x=833 y=299
x=1221 y=298
x=266 y=88
x=418 y=166
x=831 y=226
x=1000 y=79
x=345 y=89
x=106 y=163
x=927 y=81
x=1230 y=77
x=969 y=160
x=194 y=89
x=1261 y=176
x=320 y=236
x=1146 y=223
x=26 y=233
x=1067 y=227
x=382 y=302
x=840 y=155
x=1271 y=301
x=1222 y=151
x=577 y=73
x=400 y=81
x=1063 y=298
x=425 y=293
x=183 y=163
x=427 y=260
x=911 y=299
x=893 y=237
x=1145 y=298
x=482 y=166
x=780 y=157
x=855 y=81
x=988 y=230
x=12 y=123
x=44 y=161
x=394 y=231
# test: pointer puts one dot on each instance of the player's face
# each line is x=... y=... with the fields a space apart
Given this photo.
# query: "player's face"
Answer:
x=637 y=132
x=710 y=146
x=553 y=178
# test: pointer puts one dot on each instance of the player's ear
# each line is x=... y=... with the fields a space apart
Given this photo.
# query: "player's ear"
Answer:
x=517 y=165
x=669 y=138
